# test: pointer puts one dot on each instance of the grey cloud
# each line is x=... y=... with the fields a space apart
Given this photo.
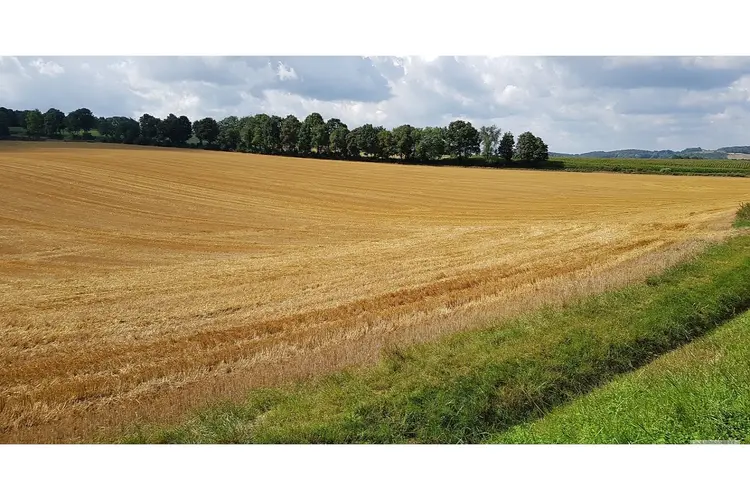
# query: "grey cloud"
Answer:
x=335 y=78
x=655 y=72
x=576 y=104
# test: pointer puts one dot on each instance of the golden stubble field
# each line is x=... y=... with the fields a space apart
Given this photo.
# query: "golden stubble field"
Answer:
x=138 y=283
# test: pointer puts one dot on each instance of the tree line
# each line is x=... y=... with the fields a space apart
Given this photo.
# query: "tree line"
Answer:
x=271 y=134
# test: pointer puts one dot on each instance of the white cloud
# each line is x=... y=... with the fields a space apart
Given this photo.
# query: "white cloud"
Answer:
x=47 y=68
x=575 y=104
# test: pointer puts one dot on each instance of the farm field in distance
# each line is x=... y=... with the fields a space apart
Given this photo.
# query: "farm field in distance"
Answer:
x=138 y=283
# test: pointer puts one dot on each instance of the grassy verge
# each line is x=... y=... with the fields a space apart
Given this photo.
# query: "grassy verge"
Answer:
x=698 y=392
x=743 y=216
x=474 y=385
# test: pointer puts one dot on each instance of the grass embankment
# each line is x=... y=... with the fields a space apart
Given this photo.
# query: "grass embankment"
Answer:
x=474 y=385
x=730 y=168
x=700 y=392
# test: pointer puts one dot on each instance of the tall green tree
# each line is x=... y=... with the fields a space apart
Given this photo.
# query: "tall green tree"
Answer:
x=489 y=138
x=81 y=119
x=290 y=133
x=367 y=139
x=267 y=134
x=34 y=123
x=247 y=132
x=386 y=144
x=540 y=150
x=462 y=139
x=507 y=145
x=54 y=122
x=4 y=124
x=206 y=130
x=11 y=118
x=526 y=147
x=305 y=138
x=183 y=130
x=318 y=131
x=105 y=127
x=431 y=144
x=149 y=128
x=337 y=134
x=352 y=144
x=229 y=133
x=405 y=141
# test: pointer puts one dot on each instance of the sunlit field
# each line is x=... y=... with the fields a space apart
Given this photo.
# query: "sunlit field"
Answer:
x=138 y=283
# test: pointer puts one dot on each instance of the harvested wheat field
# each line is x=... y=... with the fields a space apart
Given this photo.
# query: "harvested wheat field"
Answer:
x=138 y=283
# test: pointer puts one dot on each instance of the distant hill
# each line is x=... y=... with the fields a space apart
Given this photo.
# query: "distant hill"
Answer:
x=718 y=154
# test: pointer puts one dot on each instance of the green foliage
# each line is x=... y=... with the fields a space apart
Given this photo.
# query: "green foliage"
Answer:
x=471 y=386
x=405 y=141
x=34 y=123
x=337 y=133
x=431 y=144
x=54 y=122
x=367 y=139
x=489 y=137
x=266 y=134
x=290 y=128
x=4 y=124
x=531 y=148
x=386 y=144
x=462 y=139
x=206 y=130
x=80 y=120
x=507 y=147
x=150 y=127
x=9 y=118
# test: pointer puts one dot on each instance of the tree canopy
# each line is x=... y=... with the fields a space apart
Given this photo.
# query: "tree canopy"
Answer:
x=270 y=134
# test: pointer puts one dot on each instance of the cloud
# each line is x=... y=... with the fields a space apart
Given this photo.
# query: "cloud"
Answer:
x=575 y=103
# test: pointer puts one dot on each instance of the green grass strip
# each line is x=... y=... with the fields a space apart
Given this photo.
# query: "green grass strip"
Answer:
x=700 y=392
x=471 y=386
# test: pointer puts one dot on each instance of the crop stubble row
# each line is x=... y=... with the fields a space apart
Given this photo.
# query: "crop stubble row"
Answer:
x=141 y=282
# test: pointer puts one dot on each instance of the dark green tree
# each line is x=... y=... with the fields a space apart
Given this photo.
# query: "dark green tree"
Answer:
x=206 y=130
x=54 y=122
x=462 y=139
x=367 y=137
x=105 y=127
x=4 y=124
x=149 y=128
x=229 y=133
x=337 y=134
x=405 y=141
x=540 y=150
x=386 y=144
x=526 y=147
x=507 y=145
x=318 y=132
x=11 y=118
x=247 y=132
x=34 y=123
x=305 y=138
x=430 y=144
x=183 y=130
x=290 y=133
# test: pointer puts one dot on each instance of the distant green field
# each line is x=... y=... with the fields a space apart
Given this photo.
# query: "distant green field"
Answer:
x=740 y=168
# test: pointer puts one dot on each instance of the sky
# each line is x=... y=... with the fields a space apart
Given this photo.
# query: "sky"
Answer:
x=576 y=104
